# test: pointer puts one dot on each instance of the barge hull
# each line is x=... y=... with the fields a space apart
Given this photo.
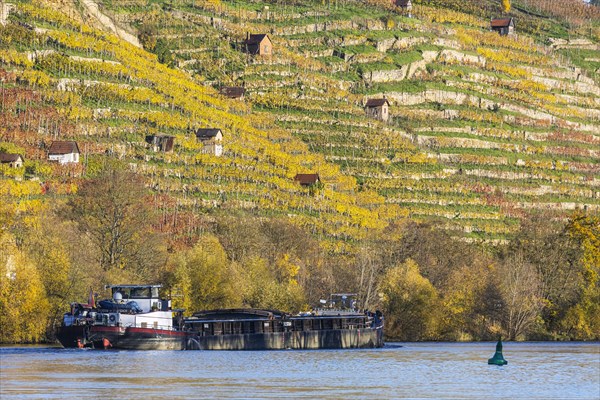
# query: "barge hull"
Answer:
x=150 y=339
x=296 y=340
x=68 y=336
x=99 y=337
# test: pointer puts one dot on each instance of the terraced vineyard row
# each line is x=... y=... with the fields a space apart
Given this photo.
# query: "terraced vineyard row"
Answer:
x=470 y=109
x=483 y=127
x=109 y=100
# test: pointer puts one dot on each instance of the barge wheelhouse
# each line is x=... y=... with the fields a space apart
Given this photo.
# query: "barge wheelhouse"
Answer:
x=135 y=318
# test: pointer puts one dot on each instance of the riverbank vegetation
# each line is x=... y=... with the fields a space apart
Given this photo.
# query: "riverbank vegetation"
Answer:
x=471 y=213
x=542 y=285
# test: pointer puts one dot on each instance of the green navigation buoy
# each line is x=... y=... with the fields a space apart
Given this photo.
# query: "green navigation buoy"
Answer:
x=498 y=359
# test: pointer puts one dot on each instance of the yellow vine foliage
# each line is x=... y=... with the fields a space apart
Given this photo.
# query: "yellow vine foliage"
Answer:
x=13 y=57
x=444 y=15
x=35 y=78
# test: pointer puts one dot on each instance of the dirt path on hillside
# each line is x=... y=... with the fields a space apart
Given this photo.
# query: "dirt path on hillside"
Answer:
x=107 y=23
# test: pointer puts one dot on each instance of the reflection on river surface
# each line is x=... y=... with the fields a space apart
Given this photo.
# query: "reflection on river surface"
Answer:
x=398 y=371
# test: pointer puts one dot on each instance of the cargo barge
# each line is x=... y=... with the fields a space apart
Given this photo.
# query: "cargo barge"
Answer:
x=253 y=329
x=136 y=318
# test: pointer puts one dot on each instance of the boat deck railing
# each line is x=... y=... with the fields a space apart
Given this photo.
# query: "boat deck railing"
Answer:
x=336 y=312
x=208 y=327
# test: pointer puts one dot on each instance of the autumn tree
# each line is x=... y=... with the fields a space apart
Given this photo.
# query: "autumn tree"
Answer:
x=436 y=253
x=521 y=290
x=113 y=210
x=467 y=304
x=547 y=246
x=583 y=319
x=410 y=303
x=205 y=277
x=460 y=274
x=240 y=236
x=65 y=269
x=278 y=261
x=23 y=304
x=295 y=255
x=369 y=270
x=506 y=6
x=375 y=254
x=270 y=286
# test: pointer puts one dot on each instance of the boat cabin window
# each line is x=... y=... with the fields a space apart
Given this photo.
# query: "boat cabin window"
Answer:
x=137 y=292
x=140 y=293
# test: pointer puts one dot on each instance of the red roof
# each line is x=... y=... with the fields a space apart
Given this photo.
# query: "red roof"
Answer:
x=501 y=22
x=63 y=147
x=307 y=179
x=377 y=102
x=9 y=157
x=233 y=92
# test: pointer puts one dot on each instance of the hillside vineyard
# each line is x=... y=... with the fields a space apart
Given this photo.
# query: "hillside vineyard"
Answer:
x=267 y=153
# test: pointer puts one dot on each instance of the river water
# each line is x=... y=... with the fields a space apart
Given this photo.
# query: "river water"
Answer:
x=398 y=371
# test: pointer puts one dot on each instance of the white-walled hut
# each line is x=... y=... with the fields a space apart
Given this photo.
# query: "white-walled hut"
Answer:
x=211 y=139
x=504 y=26
x=64 y=151
x=258 y=44
x=12 y=160
x=378 y=109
